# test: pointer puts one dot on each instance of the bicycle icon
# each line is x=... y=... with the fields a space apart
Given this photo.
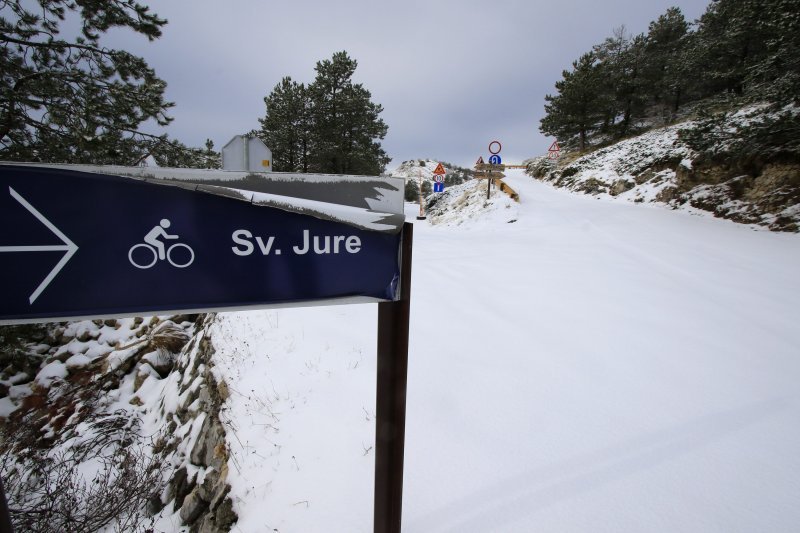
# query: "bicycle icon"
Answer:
x=145 y=254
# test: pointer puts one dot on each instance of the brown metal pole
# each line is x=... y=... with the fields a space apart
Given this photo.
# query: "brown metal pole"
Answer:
x=390 y=427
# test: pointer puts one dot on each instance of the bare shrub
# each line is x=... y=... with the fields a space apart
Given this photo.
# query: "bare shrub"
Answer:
x=101 y=479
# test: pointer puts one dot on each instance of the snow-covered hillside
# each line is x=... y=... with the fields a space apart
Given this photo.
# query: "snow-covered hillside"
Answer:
x=418 y=172
x=467 y=204
x=659 y=166
x=424 y=169
x=576 y=364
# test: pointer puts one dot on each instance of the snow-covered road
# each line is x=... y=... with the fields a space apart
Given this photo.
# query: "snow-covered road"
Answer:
x=591 y=366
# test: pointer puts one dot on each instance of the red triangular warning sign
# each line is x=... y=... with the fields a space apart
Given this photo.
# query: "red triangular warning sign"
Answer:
x=554 y=147
x=439 y=169
x=479 y=161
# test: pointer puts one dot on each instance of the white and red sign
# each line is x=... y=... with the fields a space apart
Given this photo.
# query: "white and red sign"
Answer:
x=554 y=151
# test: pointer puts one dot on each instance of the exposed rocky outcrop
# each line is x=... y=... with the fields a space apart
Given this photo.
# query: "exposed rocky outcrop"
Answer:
x=198 y=490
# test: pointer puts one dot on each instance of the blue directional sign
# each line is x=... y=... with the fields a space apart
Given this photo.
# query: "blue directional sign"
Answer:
x=438 y=186
x=78 y=244
x=495 y=159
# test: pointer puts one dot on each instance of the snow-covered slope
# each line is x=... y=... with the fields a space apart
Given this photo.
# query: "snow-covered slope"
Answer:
x=422 y=170
x=593 y=366
x=659 y=166
x=467 y=204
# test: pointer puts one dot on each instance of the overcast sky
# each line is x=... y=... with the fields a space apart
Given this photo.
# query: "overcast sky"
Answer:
x=451 y=75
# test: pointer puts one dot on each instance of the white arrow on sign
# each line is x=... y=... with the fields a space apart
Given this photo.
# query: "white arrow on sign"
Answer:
x=68 y=246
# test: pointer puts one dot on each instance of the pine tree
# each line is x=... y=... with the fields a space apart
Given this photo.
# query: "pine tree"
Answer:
x=170 y=153
x=621 y=91
x=775 y=73
x=411 y=191
x=330 y=126
x=212 y=158
x=610 y=55
x=347 y=127
x=574 y=111
x=286 y=128
x=742 y=51
x=749 y=48
x=724 y=45
x=663 y=52
x=74 y=100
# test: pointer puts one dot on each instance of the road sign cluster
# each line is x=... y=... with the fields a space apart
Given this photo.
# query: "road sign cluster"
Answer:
x=493 y=169
x=438 y=178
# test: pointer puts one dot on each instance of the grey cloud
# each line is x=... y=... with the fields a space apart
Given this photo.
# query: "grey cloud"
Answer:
x=451 y=75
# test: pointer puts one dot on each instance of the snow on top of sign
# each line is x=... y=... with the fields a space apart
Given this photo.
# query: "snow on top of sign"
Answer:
x=367 y=219
x=353 y=216
x=336 y=196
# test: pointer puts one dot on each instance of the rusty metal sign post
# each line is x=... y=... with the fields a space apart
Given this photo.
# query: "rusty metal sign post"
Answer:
x=390 y=425
x=490 y=172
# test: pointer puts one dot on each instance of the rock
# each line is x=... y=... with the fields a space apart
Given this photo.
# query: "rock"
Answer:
x=224 y=515
x=209 y=449
x=621 y=186
x=60 y=356
x=55 y=336
x=644 y=177
x=221 y=519
x=193 y=506
x=215 y=486
x=222 y=390
x=712 y=174
x=160 y=361
x=180 y=319
x=77 y=361
x=179 y=487
x=667 y=194
x=154 y=504
x=540 y=167
x=168 y=336
x=592 y=186
x=777 y=187
x=145 y=371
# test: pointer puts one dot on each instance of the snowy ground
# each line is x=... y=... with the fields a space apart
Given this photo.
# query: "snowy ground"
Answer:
x=592 y=366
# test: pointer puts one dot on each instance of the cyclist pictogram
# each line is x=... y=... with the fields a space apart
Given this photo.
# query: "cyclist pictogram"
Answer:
x=145 y=255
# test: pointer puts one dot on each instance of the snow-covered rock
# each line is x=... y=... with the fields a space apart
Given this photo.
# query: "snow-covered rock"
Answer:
x=140 y=386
